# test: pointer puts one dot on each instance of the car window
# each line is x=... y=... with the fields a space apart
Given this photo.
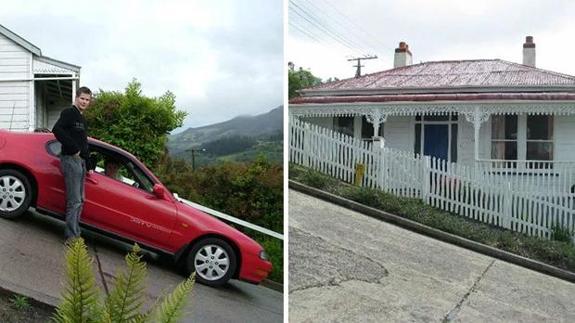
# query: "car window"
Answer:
x=120 y=168
x=54 y=148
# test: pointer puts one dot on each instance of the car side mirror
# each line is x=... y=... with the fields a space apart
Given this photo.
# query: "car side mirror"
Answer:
x=159 y=191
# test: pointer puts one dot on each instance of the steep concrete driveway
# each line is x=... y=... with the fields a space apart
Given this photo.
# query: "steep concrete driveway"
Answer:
x=32 y=263
x=346 y=267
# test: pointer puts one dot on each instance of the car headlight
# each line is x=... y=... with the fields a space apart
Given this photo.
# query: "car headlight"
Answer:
x=263 y=255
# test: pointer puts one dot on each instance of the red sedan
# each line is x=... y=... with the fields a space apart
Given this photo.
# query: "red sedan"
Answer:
x=130 y=205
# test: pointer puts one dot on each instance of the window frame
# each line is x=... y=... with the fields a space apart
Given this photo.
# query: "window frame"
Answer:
x=522 y=138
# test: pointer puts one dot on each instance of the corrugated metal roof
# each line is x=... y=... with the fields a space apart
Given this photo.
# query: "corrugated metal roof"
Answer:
x=46 y=65
x=452 y=74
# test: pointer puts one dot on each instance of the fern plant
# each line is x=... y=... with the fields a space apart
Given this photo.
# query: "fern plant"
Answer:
x=82 y=300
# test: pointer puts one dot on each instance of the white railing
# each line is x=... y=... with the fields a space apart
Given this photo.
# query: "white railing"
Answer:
x=232 y=219
x=495 y=196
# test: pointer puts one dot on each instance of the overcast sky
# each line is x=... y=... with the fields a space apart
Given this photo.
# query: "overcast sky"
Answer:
x=433 y=29
x=221 y=58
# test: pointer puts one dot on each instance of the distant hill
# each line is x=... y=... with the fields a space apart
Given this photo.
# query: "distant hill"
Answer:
x=239 y=139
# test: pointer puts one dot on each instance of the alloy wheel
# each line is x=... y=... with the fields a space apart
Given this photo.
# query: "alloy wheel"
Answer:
x=12 y=193
x=211 y=262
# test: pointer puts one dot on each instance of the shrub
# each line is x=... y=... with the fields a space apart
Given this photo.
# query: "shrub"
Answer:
x=82 y=298
x=561 y=233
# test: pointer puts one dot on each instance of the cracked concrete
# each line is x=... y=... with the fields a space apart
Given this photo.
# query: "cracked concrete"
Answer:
x=453 y=313
x=321 y=263
x=426 y=279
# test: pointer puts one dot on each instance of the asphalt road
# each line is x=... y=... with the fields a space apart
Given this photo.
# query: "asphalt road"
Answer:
x=32 y=264
x=347 y=267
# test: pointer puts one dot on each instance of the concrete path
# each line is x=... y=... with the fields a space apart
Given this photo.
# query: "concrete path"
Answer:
x=32 y=264
x=347 y=267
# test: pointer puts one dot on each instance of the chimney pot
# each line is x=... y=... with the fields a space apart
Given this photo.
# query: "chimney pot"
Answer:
x=529 y=51
x=402 y=56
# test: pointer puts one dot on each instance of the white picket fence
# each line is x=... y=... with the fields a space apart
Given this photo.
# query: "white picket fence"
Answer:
x=501 y=198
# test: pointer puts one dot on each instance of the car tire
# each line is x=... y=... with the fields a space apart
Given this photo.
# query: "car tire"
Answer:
x=213 y=260
x=15 y=193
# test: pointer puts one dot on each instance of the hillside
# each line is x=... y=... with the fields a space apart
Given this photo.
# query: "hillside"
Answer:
x=240 y=139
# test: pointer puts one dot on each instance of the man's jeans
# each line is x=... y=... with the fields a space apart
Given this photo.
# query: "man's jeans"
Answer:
x=74 y=171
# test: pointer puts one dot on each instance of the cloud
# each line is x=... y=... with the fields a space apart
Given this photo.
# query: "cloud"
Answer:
x=213 y=55
x=438 y=30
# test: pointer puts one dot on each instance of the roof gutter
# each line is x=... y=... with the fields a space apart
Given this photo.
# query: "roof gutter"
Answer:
x=437 y=90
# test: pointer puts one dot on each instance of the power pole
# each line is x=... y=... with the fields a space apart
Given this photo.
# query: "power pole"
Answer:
x=359 y=66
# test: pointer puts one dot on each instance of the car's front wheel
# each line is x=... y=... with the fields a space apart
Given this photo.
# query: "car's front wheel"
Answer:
x=213 y=260
x=15 y=193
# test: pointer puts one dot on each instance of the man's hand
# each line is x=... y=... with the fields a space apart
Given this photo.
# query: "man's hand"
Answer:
x=89 y=173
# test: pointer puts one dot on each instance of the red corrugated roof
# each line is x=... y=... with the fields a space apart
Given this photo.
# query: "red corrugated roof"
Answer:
x=446 y=74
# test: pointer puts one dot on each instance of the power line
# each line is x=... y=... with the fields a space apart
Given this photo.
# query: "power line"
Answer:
x=313 y=22
x=364 y=32
x=343 y=29
x=303 y=31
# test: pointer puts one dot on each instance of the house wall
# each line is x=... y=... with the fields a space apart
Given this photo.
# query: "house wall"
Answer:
x=399 y=133
x=15 y=96
x=54 y=107
x=564 y=138
x=326 y=122
x=39 y=101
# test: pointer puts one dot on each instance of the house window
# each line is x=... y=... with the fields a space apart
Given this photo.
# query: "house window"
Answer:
x=539 y=138
x=522 y=138
x=343 y=125
x=504 y=137
x=367 y=129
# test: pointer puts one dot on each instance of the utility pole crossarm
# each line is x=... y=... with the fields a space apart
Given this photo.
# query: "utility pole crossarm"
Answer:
x=359 y=66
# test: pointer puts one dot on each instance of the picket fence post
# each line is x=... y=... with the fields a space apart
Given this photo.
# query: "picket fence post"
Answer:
x=306 y=144
x=426 y=165
x=507 y=210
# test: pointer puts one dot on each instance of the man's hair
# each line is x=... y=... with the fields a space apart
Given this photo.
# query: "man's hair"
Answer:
x=83 y=90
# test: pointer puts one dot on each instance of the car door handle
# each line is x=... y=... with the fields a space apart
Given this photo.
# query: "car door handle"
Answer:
x=91 y=180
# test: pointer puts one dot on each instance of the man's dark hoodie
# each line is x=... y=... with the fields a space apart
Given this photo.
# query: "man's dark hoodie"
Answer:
x=71 y=132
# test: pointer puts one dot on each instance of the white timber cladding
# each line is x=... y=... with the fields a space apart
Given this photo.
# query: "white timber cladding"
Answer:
x=15 y=96
x=54 y=108
x=564 y=138
x=465 y=142
x=39 y=104
x=399 y=133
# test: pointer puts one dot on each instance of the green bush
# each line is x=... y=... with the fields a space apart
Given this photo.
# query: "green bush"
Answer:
x=134 y=122
x=561 y=233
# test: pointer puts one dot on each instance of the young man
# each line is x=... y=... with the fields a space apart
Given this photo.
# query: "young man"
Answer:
x=71 y=131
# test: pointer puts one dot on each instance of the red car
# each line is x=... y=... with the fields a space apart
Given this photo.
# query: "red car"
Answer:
x=132 y=205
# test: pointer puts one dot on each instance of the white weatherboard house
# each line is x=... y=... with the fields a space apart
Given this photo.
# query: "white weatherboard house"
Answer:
x=459 y=134
x=33 y=88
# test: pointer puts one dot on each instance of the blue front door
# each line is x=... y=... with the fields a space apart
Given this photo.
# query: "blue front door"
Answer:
x=436 y=140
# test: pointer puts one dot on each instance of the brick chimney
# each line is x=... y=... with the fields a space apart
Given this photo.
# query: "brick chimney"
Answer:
x=529 y=51
x=402 y=55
